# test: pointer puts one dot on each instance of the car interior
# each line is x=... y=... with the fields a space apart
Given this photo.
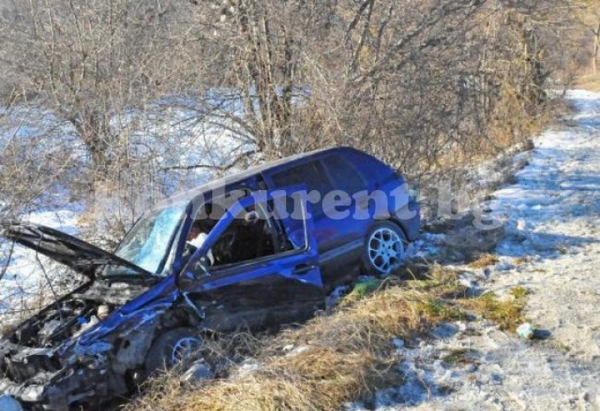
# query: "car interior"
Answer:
x=251 y=234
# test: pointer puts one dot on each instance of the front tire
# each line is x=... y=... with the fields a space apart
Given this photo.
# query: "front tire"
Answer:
x=384 y=249
x=176 y=347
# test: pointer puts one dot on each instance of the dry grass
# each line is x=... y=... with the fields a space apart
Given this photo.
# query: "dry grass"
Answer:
x=485 y=260
x=507 y=312
x=337 y=358
x=588 y=82
x=522 y=260
x=344 y=357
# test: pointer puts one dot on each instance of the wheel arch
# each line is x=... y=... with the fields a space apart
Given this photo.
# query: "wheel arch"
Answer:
x=398 y=223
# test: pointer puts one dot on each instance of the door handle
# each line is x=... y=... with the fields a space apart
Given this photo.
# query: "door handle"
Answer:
x=302 y=269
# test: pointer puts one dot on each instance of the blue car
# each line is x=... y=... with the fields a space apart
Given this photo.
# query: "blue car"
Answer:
x=253 y=251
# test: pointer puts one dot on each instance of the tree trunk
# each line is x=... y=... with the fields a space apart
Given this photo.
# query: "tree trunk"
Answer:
x=92 y=131
x=596 y=47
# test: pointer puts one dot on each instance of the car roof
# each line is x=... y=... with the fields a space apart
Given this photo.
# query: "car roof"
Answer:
x=239 y=178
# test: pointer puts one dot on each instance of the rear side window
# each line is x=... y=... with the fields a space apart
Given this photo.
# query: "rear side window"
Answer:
x=344 y=175
x=311 y=174
x=371 y=168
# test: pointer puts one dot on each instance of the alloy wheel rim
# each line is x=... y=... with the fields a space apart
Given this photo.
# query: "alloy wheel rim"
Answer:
x=385 y=249
x=183 y=349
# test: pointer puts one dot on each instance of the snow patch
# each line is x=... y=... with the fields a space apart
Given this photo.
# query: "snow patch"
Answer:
x=551 y=246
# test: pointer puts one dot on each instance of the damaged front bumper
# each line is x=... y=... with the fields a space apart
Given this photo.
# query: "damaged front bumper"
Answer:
x=38 y=382
x=60 y=391
x=26 y=393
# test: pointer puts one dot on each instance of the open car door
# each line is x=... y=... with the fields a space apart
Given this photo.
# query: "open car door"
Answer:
x=256 y=268
x=278 y=259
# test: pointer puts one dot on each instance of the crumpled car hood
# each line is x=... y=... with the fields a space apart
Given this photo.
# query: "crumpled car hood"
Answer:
x=82 y=257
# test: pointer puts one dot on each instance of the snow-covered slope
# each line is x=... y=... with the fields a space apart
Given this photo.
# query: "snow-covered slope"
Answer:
x=553 y=219
x=167 y=144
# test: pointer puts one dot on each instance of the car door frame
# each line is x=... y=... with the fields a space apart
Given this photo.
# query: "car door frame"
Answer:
x=296 y=264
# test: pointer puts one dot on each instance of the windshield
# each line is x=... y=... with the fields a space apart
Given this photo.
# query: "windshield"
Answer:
x=149 y=242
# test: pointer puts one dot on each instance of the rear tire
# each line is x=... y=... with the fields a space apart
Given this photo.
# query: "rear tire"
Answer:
x=176 y=347
x=385 y=248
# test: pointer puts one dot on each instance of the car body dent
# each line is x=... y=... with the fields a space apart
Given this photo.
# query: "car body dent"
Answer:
x=129 y=322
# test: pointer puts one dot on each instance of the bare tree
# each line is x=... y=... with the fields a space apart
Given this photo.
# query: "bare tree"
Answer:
x=416 y=83
x=89 y=62
x=144 y=86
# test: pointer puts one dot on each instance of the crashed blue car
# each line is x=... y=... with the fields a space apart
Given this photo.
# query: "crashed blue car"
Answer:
x=253 y=251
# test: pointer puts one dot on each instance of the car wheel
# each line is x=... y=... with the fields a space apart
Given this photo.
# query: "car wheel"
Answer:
x=174 y=347
x=384 y=249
